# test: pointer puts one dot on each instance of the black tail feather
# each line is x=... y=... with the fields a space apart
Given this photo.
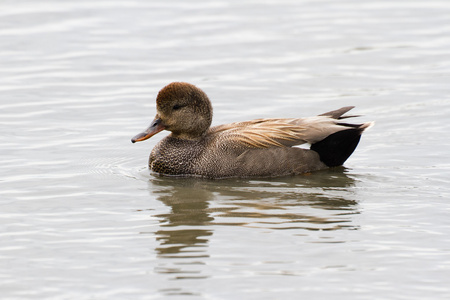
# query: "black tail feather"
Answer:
x=337 y=114
x=337 y=147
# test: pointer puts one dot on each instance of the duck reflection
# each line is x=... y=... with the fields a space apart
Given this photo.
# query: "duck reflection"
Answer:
x=320 y=201
x=188 y=216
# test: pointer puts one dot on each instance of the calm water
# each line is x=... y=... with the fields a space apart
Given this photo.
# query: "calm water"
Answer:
x=82 y=218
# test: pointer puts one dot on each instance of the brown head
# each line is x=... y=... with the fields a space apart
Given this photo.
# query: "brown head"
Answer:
x=181 y=108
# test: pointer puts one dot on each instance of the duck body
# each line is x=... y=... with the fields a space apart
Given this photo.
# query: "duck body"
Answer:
x=210 y=157
x=257 y=148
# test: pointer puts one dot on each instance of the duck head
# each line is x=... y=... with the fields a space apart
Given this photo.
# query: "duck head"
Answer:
x=181 y=108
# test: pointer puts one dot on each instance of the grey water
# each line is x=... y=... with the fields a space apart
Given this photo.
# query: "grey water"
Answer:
x=81 y=216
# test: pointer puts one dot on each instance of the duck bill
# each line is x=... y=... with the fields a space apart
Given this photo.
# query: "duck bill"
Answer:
x=155 y=127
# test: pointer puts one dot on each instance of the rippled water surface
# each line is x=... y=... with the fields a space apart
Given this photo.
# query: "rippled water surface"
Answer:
x=82 y=218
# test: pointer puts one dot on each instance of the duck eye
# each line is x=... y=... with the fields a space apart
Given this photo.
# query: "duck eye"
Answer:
x=177 y=107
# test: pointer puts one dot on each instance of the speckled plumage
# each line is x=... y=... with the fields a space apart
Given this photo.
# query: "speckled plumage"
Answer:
x=258 y=148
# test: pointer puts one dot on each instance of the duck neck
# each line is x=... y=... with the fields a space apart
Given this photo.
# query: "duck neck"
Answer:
x=188 y=136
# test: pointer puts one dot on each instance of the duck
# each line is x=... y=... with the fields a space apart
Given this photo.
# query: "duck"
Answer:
x=266 y=147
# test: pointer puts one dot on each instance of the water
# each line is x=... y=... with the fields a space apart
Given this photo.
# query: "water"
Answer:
x=82 y=218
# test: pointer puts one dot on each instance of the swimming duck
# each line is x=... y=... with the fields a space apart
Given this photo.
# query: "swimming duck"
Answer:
x=257 y=148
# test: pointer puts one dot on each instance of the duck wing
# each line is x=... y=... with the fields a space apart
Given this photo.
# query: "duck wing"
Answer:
x=261 y=133
x=266 y=133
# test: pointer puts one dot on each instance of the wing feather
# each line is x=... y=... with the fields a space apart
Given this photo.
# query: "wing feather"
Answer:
x=262 y=133
x=265 y=133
